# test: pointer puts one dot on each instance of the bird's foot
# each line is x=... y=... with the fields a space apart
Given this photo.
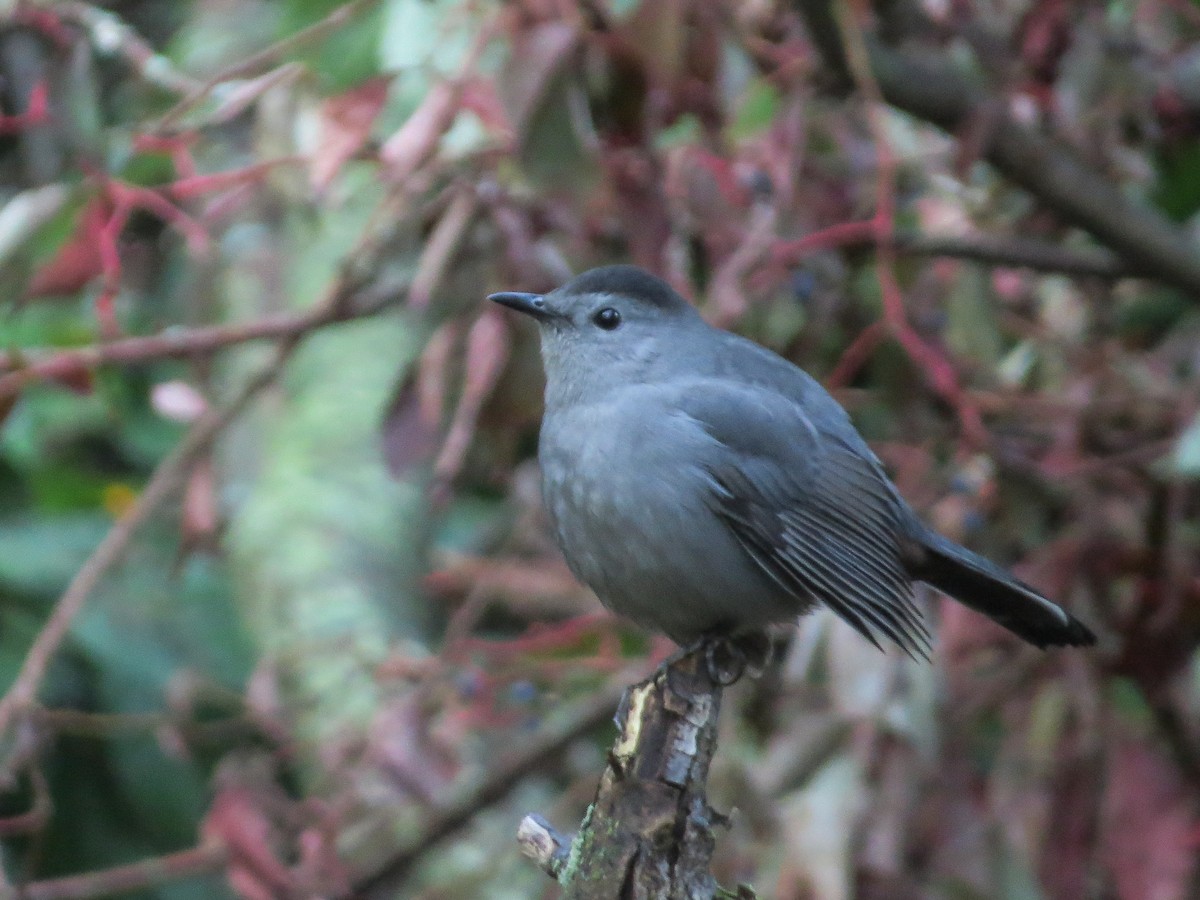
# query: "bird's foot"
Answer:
x=727 y=658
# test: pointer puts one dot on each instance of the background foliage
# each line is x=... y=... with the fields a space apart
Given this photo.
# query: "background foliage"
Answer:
x=279 y=614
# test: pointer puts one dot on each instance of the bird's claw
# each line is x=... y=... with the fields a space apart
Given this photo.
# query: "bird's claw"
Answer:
x=727 y=659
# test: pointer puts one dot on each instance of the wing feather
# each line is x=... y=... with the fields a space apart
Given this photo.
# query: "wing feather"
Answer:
x=818 y=516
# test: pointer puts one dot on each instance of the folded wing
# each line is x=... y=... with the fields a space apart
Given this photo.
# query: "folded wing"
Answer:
x=813 y=510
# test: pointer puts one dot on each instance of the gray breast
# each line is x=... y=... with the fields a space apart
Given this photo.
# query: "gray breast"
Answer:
x=632 y=508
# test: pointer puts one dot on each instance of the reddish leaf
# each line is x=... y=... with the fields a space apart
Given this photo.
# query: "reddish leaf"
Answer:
x=200 y=508
x=346 y=122
x=412 y=428
x=480 y=96
x=77 y=261
x=237 y=821
x=415 y=141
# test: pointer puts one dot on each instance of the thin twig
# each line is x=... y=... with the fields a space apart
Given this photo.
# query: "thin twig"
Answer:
x=123 y=879
x=1006 y=251
x=41 y=364
x=110 y=34
x=335 y=20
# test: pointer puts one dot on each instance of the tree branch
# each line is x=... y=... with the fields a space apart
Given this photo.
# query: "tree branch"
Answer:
x=1016 y=252
x=930 y=87
x=649 y=833
x=1009 y=251
x=140 y=875
x=34 y=365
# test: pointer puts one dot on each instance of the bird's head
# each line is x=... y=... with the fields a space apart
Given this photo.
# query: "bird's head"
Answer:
x=606 y=326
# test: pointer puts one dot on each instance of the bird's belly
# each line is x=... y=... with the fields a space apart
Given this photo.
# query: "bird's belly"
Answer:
x=658 y=554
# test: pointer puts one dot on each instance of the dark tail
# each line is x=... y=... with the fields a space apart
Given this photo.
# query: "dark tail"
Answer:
x=975 y=582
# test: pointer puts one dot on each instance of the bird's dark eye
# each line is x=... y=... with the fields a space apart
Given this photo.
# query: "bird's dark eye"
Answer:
x=607 y=318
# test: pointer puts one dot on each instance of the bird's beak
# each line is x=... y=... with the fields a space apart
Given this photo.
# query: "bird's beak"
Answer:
x=530 y=304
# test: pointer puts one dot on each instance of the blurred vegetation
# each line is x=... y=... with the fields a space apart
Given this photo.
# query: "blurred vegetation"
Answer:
x=326 y=642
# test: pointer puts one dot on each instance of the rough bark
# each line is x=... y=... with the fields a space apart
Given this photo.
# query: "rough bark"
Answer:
x=650 y=831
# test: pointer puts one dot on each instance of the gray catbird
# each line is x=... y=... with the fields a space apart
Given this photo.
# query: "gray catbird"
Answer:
x=704 y=486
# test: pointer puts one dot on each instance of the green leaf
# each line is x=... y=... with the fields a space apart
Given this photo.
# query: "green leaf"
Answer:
x=552 y=149
x=39 y=554
x=683 y=131
x=757 y=112
x=348 y=55
x=1150 y=314
x=119 y=797
x=1178 y=190
x=972 y=328
x=427 y=36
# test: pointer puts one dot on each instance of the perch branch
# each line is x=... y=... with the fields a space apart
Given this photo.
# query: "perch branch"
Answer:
x=650 y=831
